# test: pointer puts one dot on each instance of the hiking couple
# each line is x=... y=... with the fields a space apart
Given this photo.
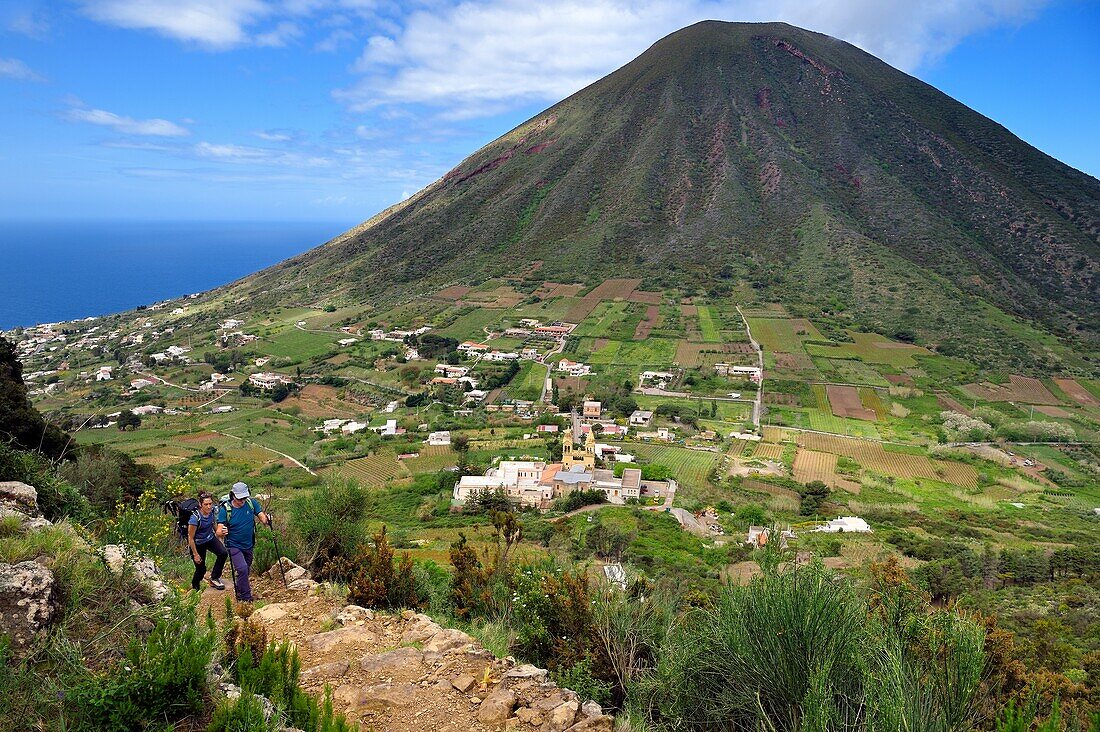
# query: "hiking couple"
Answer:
x=235 y=521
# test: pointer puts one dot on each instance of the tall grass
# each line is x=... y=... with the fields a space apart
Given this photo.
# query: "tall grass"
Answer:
x=800 y=650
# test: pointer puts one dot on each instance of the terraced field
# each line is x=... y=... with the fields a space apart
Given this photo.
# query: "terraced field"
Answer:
x=707 y=326
x=432 y=458
x=768 y=451
x=810 y=465
x=871 y=348
x=872 y=456
x=372 y=470
x=690 y=467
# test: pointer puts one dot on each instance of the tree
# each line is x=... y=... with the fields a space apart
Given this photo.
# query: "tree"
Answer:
x=461 y=445
x=752 y=514
x=128 y=421
x=20 y=422
x=814 y=494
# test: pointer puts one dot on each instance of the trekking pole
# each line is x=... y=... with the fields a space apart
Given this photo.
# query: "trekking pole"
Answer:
x=278 y=551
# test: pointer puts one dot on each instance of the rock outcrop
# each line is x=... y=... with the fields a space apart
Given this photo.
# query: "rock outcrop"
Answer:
x=119 y=558
x=21 y=500
x=27 y=605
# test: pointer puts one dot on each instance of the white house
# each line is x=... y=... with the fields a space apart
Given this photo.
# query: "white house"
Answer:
x=845 y=525
x=388 y=429
x=752 y=373
x=104 y=373
x=332 y=425
x=451 y=372
x=147 y=409
x=501 y=356
x=268 y=380
x=347 y=341
x=471 y=347
x=141 y=383
x=177 y=351
x=443 y=437
x=574 y=368
x=351 y=428
x=641 y=418
x=224 y=409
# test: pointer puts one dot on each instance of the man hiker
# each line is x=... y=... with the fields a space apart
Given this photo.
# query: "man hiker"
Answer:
x=201 y=528
x=237 y=519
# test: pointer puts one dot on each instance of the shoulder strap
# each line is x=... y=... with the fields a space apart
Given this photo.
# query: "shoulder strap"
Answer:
x=228 y=511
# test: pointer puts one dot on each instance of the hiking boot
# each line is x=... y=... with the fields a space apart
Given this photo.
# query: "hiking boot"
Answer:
x=217 y=584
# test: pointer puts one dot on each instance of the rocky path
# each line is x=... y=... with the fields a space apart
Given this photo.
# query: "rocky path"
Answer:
x=405 y=673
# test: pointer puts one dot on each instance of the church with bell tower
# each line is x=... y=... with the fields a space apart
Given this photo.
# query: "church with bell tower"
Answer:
x=572 y=457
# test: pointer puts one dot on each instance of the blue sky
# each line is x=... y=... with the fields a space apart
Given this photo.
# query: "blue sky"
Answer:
x=334 y=109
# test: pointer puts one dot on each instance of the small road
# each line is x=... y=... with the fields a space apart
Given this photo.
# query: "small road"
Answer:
x=292 y=459
x=758 y=404
x=166 y=382
x=548 y=381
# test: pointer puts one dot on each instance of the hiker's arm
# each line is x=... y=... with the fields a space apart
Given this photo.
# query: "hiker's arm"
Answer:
x=191 y=541
x=264 y=518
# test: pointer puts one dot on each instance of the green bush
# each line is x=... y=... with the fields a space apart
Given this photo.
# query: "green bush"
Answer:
x=162 y=678
x=276 y=676
x=808 y=653
x=579 y=678
x=329 y=522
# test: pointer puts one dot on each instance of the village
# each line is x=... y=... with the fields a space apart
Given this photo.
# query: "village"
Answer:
x=538 y=405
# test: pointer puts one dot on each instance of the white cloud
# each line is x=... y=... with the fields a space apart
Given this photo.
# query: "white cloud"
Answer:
x=128 y=125
x=274 y=135
x=477 y=58
x=216 y=24
x=231 y=153
x=13 y=68
x=29 y=23
x=280 y=35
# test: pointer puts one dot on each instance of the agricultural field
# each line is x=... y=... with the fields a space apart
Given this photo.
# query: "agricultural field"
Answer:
x=871 y=348
x=300 y=345
x=810 y=465
x=1018 y=389
x=707 y=326
x=371 y=471
x=690 y=467
x=784 y=335
x=614 y=320
x=470 y=325
x=432 y=458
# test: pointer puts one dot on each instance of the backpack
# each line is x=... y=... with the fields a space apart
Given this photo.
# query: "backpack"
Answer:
x=182 y=509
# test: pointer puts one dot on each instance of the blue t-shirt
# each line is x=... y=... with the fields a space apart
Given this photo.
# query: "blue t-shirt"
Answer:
x=204 y=526
x=241 y=524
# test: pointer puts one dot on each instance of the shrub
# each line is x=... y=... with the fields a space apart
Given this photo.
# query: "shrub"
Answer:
x=845 y=670
x=579 y=499
x=57 y=498
x=579 y=678
x=328 y=522
x=161 y=678
x=376 y=582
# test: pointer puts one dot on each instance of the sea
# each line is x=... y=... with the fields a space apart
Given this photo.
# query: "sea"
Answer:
x=53 y=271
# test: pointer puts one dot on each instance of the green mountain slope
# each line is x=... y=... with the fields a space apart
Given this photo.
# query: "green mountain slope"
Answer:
x=788 y=159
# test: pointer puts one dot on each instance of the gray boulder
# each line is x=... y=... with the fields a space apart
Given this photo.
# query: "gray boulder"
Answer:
x=16 y=496
x=118 y=557
x=27 y=605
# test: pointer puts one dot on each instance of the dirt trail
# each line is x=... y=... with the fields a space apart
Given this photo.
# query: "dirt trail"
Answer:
x=405 y=673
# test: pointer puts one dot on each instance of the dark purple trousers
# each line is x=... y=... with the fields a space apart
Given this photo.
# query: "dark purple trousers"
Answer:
x=242 y=562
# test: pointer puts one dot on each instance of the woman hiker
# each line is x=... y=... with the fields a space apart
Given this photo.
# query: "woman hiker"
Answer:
x=237 y=520
x=201 y=537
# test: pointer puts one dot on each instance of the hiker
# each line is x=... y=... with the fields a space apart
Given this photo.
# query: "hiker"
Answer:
x=201 y=529
x=237 y=522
